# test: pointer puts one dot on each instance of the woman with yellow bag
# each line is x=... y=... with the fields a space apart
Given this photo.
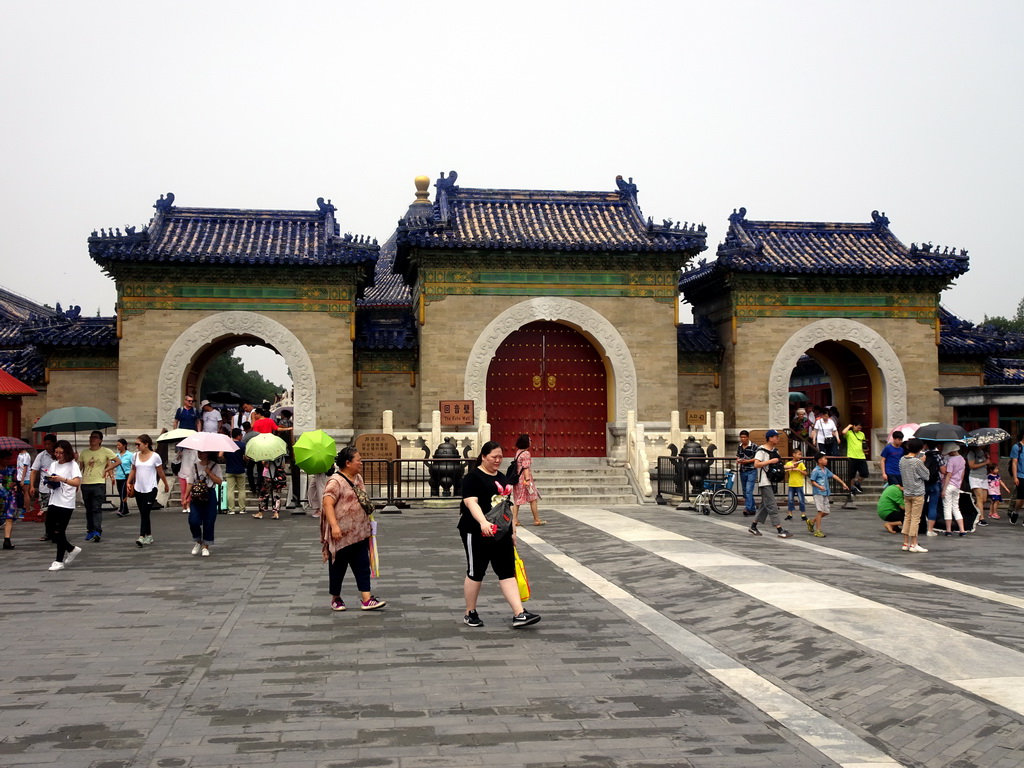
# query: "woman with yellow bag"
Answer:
x=483 y=488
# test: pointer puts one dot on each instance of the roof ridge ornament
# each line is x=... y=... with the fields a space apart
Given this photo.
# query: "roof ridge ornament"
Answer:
x=164 y=203
x=325 y=207
x=880 y=218
x=627 y=188
x=737 y=216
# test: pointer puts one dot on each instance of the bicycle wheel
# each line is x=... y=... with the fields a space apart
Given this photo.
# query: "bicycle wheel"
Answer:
x=723 y=501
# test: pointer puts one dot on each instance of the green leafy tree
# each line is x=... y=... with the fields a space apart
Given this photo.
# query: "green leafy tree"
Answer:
x=227 y=373
x=1015 y=323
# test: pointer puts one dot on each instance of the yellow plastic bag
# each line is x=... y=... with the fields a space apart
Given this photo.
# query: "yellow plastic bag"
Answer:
x=521 y=580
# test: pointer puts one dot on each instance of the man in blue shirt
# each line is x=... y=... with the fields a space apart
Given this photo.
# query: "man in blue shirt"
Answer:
x=187 y=416
x=1017 y=473
x=889 y=460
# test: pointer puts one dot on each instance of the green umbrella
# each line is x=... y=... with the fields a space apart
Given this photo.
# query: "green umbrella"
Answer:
x=314 y=452
x=76 y=418
x=266 y=448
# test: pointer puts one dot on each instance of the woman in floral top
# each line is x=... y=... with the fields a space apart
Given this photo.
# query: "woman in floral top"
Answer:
x=525 y=491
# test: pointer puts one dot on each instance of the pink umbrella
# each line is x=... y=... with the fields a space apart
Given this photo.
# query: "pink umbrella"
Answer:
x=908 y=430
x=209 y=441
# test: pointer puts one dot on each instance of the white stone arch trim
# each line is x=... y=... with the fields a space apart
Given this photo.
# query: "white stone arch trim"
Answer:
x=197 y=336
x=894 y=381
x=555 y=309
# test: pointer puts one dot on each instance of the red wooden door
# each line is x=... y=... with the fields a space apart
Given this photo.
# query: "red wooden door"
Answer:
x=547 y=380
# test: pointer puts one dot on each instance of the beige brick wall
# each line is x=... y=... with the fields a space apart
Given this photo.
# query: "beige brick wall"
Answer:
x=146 y=339
x=454 y=324
x=386 y=391
x=97 y=389
x=748 y=364
x=698 y=392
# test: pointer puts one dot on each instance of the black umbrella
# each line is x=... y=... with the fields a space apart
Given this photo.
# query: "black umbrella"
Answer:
x=977 y=438
x=941 y=433
x=224 y=396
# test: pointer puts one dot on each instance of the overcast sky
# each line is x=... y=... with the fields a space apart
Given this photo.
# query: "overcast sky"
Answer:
x=806 y=111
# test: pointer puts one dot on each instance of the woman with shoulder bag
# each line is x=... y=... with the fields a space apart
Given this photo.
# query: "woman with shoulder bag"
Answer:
x=525 y=491
x=345 y=530
x=203 y=506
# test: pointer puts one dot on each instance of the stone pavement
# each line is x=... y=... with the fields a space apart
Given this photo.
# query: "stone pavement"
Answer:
x=668 y=639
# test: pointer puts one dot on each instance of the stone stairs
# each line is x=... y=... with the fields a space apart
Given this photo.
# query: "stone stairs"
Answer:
x=581 y=482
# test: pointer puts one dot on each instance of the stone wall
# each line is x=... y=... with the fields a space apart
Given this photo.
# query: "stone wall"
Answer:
x=95 y=388
x=386 y=391
x=697 y=392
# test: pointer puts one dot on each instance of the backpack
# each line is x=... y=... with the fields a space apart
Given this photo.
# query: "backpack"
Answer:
x=775 y=473
x=513 y=472
x=931 y=460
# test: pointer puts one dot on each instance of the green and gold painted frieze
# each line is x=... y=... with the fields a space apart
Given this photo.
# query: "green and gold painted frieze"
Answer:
x=965 y=368
x=697 y=364
x=750 y=305
x=386 y=361
x=83 y=362
x=136 y=297
x=438 y=283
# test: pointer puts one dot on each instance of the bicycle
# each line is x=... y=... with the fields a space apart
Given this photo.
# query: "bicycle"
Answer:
x=718 y=496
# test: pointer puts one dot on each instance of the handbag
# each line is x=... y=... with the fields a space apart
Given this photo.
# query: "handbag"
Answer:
x=361 y=496
x=198 y=490
x=501 y=517
x=521 y=580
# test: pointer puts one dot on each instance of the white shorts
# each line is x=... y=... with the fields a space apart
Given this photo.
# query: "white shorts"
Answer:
x=978 y=482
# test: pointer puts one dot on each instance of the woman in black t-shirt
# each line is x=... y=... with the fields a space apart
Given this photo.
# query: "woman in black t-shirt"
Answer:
x=478 y=487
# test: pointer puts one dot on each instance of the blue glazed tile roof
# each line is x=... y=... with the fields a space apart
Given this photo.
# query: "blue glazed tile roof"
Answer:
x=388 y=289
x=823 y=248
x=25 y=364
x=542 y=220
x=234 y=236
x=963 y=338
x=1001 y=370
x=72 y=332
x=698 y=336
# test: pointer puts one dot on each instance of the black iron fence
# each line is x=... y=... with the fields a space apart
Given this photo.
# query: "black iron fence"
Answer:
x=683 y=477
x=400 y=481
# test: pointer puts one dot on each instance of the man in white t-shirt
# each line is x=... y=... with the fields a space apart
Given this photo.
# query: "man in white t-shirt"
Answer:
x=40 y=467
x=210 y=417
x=766 y=455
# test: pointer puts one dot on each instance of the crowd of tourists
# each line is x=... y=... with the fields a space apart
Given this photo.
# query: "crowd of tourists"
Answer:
x=48 y=486
x=920 y=479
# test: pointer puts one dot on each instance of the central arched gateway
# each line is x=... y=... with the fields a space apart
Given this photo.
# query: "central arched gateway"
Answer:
x=547 y=380
x=222 y=331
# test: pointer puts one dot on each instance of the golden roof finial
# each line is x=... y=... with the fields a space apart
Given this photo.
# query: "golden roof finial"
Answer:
x=422 y=185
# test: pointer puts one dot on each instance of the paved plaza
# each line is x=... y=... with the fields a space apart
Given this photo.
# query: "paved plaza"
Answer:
x=668 y=639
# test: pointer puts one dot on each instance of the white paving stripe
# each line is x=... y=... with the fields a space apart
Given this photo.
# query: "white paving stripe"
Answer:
x=938 y=650
x=899 y=570
x=831 y=739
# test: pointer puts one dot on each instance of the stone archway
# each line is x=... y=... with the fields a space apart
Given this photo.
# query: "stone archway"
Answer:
x=185 y=348
x=579 y=316
x=894 y=381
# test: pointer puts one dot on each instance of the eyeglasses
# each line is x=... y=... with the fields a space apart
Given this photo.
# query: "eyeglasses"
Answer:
x=189 y=400
x=138 y=444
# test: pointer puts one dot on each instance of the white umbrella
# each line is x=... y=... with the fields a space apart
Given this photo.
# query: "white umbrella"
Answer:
x=209 y=441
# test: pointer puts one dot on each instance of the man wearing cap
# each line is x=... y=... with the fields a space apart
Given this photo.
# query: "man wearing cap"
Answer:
x=210 y=417
x=766 y=455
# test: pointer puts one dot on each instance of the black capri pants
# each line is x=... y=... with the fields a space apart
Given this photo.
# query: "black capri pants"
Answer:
x=482 y=551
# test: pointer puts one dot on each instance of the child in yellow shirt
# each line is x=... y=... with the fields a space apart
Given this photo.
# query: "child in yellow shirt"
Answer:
x=796 y=474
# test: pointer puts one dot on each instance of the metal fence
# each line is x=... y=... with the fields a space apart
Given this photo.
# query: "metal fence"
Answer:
x=400 y=481
x=683 y=477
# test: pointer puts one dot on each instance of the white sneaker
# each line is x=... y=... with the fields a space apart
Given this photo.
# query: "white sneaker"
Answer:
x=196 y=548
x=917 y=548
x=206 y=551
x=70 y=556
x=56 y=565
x=932 y=533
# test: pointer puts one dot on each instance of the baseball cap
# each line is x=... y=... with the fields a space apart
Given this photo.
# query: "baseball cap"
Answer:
x=771 y=433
